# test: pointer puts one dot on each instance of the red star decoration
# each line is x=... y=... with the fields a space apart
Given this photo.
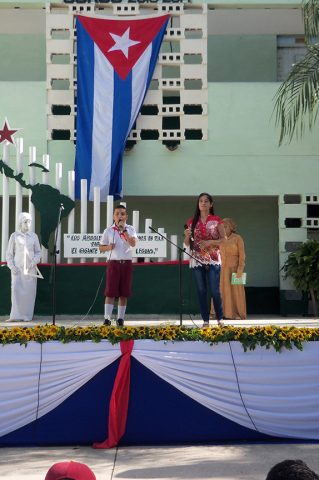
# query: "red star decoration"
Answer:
x=6 y=133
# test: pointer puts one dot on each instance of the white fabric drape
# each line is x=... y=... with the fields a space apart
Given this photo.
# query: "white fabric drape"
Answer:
x=63 y=370
x=276 y=393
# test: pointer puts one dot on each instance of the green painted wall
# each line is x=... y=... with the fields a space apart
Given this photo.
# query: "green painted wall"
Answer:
x=22 y=58
x=24 y=105
x=242 y=58
x=241 y=156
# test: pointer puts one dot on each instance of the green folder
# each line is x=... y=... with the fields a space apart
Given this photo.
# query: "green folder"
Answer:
x=238 y=281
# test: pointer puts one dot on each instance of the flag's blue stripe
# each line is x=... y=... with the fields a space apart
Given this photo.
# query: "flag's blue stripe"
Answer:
x=85 y=95
x=156 y=45
x=121 y=119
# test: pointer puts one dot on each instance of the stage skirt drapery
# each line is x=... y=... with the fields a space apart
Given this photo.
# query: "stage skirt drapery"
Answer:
x=182 y=392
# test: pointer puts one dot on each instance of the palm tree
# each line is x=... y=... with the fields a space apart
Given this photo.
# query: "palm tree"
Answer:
x=297 y=100
x=303 y=266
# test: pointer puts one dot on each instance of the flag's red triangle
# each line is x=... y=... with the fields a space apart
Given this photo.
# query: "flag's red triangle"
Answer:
x=137 y=33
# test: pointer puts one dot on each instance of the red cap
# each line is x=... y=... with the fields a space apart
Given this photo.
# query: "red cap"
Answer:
x=74 y=470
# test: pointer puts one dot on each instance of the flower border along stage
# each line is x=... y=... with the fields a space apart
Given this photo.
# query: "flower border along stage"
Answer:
x=269 y=336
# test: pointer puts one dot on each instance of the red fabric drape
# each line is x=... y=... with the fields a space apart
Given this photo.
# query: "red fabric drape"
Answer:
x=119 y=398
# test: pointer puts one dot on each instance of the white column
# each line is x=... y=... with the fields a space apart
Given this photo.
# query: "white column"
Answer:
x=32 y=181
x=71 y=183
x=5 y=206
x=84 y=206
x=45 y=181
x=58 y=184
x=148 y=223
x=19 y=169
x=109 y=210
x=58 y=176
x=96 y=213
x=174 y=253
x=187 y=249
x=46 y=164
x=162 y=231
x=136 y=225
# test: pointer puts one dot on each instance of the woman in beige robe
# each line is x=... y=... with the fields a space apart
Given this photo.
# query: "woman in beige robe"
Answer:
x=233 y=261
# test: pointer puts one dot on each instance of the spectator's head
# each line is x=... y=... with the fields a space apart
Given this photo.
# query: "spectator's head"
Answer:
x=70 y=471
x=291 y=470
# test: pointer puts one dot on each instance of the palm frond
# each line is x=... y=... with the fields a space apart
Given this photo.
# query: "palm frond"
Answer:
x=310 y=12
x=298 y=97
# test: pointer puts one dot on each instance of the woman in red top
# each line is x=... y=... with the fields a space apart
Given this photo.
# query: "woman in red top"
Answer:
x=204 y=234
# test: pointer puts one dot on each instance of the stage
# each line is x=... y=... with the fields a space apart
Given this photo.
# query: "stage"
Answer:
x=188 y=320
x=177 y=392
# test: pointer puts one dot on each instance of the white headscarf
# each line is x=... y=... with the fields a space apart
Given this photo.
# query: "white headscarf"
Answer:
x=23 y=216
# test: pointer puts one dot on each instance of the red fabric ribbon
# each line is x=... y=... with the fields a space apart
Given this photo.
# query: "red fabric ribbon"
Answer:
x=119 y=399
x=120 y=232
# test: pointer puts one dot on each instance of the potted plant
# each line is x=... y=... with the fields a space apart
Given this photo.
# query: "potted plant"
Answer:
x=303 y=267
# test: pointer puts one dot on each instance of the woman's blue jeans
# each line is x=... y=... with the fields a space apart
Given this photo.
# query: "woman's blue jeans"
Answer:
x=207 y=280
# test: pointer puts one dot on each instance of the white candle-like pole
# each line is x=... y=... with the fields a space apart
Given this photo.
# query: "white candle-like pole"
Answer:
x=109 y=210
x=96 y=213
x=19 y=169
x=46 y=164
x=71 y=192
x=84 y=206
x=173 y=248
x=162 y=231
x=58 y=184
x=32 y=181
x=148 y=223
x=187 y=249
x=136 y=225
x=45 y=181
x=5 y=206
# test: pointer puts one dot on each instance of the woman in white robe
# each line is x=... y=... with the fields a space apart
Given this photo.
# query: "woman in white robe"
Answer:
x=23 y=254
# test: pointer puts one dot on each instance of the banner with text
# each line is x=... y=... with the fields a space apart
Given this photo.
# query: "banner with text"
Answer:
x=77 y=245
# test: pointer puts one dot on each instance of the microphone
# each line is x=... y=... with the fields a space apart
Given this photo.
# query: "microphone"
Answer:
x=61 y=206
x=120 y=225
x=185 y=227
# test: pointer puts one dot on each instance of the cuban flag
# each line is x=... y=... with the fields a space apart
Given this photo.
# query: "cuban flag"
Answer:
x=115 y=64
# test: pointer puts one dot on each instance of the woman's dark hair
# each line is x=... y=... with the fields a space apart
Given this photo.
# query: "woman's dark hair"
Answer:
x=197 y=213
x=291 y=470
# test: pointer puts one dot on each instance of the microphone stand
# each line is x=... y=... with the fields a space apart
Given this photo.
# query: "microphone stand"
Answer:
x=54 y=254
x=180 y=253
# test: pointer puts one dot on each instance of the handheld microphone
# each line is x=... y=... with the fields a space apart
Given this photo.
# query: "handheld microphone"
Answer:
x=120 y=225
x=191 y=237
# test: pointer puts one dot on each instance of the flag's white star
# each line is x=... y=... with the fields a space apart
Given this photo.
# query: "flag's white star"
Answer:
x=122 y=43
